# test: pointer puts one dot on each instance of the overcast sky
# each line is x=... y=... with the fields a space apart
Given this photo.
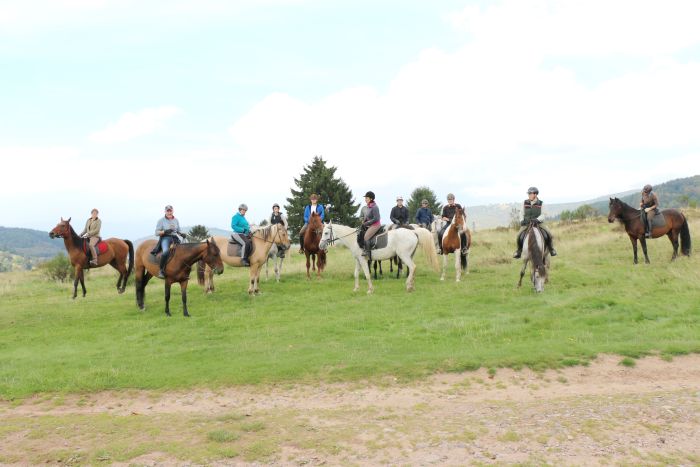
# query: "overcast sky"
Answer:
x=128 y=105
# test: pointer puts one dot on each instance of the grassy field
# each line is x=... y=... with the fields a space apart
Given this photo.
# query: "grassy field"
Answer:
x=597 y=301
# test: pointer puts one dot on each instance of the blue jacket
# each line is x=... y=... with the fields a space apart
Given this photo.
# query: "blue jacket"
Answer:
x=319 y=211
x=424 y=216
x=239 y=224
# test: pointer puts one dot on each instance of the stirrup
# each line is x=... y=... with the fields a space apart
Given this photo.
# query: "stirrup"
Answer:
x=552 y=252
x=161 y=274
x=93 y=262
x=517 y=254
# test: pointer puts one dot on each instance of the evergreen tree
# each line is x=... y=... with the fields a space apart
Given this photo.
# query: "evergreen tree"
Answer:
x=418 y=195
x=198 y=233
x=332 y=192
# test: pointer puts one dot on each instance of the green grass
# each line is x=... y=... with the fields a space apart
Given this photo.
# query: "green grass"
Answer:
x=596 y=302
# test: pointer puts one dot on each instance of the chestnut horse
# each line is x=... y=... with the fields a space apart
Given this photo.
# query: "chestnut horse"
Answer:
x=676 y=225
x=115 y=256
x=452 y=243
x=263 y=239
x=314 y=254
x=177 y=269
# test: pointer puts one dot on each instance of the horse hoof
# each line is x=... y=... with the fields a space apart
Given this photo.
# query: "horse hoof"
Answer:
x=186 y=315
x=120 y=291
x=142 y=308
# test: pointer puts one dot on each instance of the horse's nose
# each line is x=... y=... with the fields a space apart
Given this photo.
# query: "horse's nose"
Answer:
x=51 y=234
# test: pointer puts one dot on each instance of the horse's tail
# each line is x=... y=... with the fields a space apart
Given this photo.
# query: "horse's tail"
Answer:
x=685 y=237
x=463 y=256
x=425 y=240
x=200 y=272
x=131 y=260
x=321 y=259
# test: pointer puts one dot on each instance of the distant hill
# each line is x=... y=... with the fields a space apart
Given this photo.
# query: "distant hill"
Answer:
x=212 y=231
x=29 y=243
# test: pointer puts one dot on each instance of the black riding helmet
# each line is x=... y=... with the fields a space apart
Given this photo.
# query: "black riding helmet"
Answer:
x=647 y=188
x=370 y=195
x=533 y=189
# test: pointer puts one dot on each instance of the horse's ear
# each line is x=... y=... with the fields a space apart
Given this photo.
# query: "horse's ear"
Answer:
x=68 y=220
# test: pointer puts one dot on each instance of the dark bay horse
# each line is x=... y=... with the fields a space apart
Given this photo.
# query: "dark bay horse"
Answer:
x=115 y=256
x=178 y=268
x=314 y=254
x=676 y=226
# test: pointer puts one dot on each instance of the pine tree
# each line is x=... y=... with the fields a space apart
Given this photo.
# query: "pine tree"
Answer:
x=418 y=195
x=332 y=192
x=198 y=233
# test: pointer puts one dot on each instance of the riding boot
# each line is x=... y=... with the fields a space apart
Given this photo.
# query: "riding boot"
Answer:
x=519 y=243
x=244 y=258
x=552 y=251
x=163 y=260
x=647 y=234
x=301 y=244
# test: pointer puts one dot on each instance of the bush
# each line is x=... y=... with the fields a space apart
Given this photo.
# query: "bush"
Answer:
x=58 y=269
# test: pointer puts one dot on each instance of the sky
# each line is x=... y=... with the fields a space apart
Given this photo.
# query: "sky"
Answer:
x=128 y=105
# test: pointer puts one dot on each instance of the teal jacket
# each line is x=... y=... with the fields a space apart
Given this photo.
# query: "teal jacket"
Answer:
x=239 y=224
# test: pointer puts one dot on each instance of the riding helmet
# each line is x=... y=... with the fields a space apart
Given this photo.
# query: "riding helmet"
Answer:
x=533 y=189
x=242 y=206
x=450 y=196
x=647 y=188
x=370 y=195
x=275 y=206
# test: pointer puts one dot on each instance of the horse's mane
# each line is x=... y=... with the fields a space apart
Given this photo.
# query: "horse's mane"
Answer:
x=626 y=208
x=263 y=232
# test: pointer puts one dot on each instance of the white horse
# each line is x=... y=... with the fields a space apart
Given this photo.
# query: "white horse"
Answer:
x=435 y=227
x=534 y=251
x=400 y=242
x=274 y=255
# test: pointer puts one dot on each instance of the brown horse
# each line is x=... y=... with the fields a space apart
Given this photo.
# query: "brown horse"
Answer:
x=452 y=243
x=676 y=225
x=314 y=254
x=115 y=256
x=177 y=268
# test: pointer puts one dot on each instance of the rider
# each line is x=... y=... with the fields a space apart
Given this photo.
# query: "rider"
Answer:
x=278 y=218
x=650 y=207
x=92 y=233
x=399 y=214
x=532 y=211
x=313 y=206
x=166 y=229
x=241 y=230
x=424 y=216
x=448 y=212
x=371 y=221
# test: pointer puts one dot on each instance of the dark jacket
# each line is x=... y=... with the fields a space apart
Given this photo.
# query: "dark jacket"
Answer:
x=372 y=216
x=424 y=216
x=399 y=215
x=650 y=199
x=449 y=211
x=531 y=210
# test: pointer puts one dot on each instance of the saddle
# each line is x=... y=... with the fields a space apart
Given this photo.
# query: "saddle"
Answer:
x=233 y=248
x=101 y=247
x=657 y=221
x=379 y=241
x=155 y=258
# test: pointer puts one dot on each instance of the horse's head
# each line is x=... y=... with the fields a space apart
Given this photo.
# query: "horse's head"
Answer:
x=616 y=210
x=539 y=277
x=315 y=223
x=61 y=230
x=282 y=237
x=326 y=236
x=212 y=257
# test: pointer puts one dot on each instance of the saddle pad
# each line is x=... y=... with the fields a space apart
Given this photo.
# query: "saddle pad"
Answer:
x=658 y=221
x=156 y=259
x=379 y=241
x=234 y=249
x=101 y=247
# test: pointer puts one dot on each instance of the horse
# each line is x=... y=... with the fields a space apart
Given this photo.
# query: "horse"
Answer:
x=182 y=257
x=400 y=242
x=263 y=239
x=435 y=227
x=675 y=225
x=274 y=255
x=115 y=256
x=452 y=243
x=534 y=252
x=314 y=254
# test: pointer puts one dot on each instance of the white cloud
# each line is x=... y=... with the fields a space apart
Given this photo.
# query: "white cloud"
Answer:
x=134 y=124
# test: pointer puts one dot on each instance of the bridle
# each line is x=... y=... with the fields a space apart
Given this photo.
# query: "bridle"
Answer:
x=332 y=238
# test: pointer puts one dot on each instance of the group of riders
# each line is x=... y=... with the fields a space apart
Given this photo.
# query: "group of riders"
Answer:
x=168 y=227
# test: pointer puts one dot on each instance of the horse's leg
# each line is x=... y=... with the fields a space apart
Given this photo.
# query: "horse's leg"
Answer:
x=76 y=272
x=318 y=263
x=673 y=236
x=458 y=265
x=278 y=268
x=141 y=289
x=81 y=276
x=368 y=275
x=308 y=264
x=466 y=264
x=121 y=282
x=357 y=275
x=522 y=272
x=643 y=242
x=444 y=266
x=633 y=239
x=267 y=275
x=183 y=288
x=257 y=281
x=411 y=267
x=168 y=284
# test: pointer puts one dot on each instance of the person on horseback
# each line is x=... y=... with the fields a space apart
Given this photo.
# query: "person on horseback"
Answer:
x=371 y=221
x=167 y=228
x=313 y=206
x=424 y=216
x=448 y=212
x=650 y=208
x=278 y=218
x=92 y=233
x=241 y=231
x=532 y=211
x=399 y=214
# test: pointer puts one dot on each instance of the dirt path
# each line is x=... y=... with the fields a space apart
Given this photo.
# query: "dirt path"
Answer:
x=602 y=414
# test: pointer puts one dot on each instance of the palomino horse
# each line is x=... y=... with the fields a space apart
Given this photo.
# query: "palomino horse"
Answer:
x=277 y=260
x=534 y=252
x=400 y=242
x=314 y=254
x=263 y=239
x=452 y=243
x=177 y=269
x=676 y=225
x=115 y=256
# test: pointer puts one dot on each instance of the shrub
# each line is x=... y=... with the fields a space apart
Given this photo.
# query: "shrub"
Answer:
x=58 y=269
